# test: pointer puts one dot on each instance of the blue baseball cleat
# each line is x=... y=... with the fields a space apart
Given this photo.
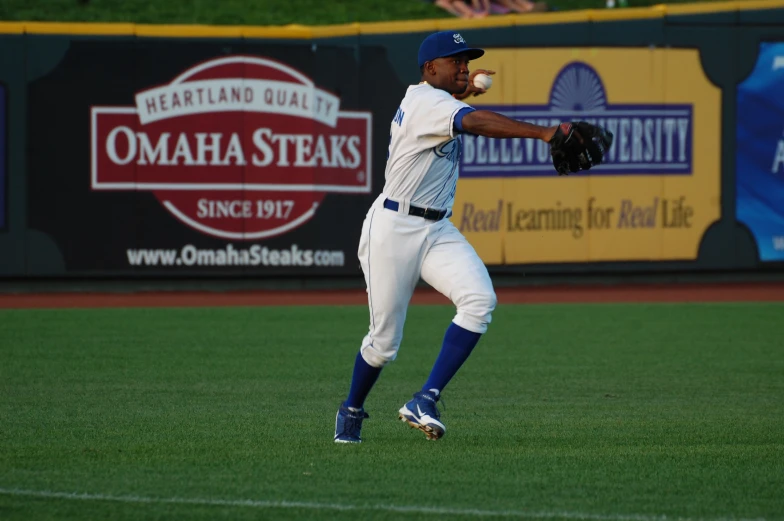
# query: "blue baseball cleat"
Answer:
x=348 y=425
x=421 y=413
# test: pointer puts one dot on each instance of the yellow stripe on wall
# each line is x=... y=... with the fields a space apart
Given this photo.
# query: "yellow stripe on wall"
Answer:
x=97 y=29
x=296 y=31
x=682 y=9
x=632 y=13
x=563 y=17
x=11 y=28
x=188 y=31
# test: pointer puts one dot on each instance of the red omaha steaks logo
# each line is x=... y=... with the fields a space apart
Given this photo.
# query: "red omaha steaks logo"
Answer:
x=238 y=147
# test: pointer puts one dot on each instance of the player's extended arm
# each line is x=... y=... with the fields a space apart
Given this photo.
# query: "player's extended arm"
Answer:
x=492 y=124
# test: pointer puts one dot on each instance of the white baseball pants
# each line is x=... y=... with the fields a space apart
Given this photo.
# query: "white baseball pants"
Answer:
x=395 y=250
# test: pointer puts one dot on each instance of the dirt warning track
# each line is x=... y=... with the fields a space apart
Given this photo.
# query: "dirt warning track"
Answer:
x=729 y=292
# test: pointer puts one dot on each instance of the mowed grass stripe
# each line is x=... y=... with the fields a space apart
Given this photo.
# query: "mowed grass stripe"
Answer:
x=74 y=496
x=664 y=410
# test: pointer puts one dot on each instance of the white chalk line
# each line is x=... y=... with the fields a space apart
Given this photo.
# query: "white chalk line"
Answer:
x=252 y=503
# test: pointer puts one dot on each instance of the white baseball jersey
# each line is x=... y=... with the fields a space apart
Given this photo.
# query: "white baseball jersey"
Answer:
x=424 y=150
x=396 y=249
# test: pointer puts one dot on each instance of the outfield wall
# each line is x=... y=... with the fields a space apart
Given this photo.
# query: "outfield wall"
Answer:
x=134 y=150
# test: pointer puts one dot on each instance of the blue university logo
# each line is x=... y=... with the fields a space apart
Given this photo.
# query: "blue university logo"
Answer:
x=650 y=139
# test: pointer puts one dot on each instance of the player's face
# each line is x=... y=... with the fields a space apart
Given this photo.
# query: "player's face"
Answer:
x=452 y=73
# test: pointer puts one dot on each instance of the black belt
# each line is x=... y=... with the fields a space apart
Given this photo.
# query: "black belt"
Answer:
x=428 y=213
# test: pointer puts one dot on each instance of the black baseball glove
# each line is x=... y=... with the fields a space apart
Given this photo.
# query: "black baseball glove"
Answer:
x=579 y=146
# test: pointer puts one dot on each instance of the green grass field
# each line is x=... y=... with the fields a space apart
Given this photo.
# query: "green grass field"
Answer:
x=597 y=412
x=247 y=12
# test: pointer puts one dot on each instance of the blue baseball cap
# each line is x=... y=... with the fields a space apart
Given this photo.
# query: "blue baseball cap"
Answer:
x=445 y=43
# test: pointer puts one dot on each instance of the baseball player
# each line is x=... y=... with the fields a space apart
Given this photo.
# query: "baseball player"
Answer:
x=407 y=234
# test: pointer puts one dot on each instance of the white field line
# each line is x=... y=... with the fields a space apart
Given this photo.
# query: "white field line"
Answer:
x=523 y=514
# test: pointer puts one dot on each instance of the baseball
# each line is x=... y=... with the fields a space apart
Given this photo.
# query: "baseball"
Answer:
x=483 y=81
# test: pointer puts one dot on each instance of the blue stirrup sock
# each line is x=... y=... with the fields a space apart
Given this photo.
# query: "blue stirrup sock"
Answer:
x=365 y=376
x=457 y=346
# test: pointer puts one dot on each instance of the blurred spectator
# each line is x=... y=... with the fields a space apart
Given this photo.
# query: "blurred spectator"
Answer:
x=483 y=8
x=522 y=6
x=466 y=8
x=457 y=7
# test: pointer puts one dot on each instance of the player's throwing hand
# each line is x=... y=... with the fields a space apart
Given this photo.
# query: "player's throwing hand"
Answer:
x=473 y=89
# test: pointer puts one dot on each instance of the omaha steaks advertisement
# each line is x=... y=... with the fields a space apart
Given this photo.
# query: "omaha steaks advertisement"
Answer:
x=190 y=160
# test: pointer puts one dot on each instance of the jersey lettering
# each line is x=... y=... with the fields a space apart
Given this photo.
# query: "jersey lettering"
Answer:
x=450 y=150
x=399 y=117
